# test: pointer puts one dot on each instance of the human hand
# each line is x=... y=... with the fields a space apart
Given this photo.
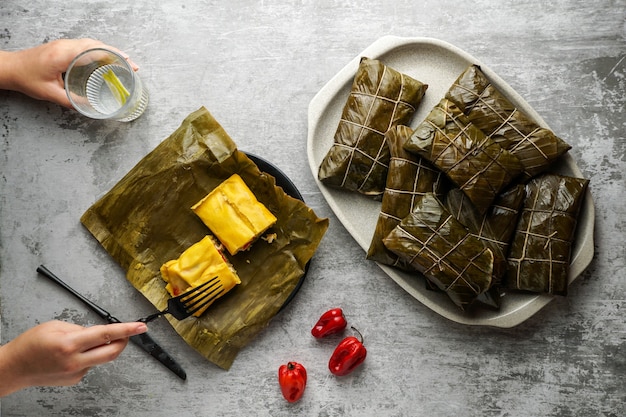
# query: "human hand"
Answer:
x=37 y=72
x=58 y=353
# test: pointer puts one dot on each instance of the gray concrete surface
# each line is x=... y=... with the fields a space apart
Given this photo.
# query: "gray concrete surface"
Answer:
x=256 y=65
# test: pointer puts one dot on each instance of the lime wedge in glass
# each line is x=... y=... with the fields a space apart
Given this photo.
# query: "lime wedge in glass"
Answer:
x=118 y=90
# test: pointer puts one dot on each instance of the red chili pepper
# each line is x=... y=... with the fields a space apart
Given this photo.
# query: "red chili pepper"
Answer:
x=331 y=322
x=349 y=354
x=292 y=380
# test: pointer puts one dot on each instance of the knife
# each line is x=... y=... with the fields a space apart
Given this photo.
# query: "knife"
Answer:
x=144 y=340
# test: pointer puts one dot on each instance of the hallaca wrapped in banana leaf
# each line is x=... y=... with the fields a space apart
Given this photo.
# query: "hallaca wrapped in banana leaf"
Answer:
x=409 y=178
x=146 y=220
x=496 y=227
x=475 y=163
x=490 y=111
x=540 y=253
x=441 y=248
x=380 y=99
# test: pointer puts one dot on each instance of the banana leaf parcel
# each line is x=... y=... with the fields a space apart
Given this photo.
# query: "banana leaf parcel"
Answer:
x=410 y=177
x=540 y=254
x=441 y=248
x=495 y=229
x=380 y=98
x=490 y=111
x=476 y=164
x=146 y=220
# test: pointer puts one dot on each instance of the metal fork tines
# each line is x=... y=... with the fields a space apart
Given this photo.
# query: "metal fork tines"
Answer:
x=190 y=302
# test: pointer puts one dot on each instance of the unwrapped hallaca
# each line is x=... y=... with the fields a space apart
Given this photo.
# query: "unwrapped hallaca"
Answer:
x=540 y=253
x=380 y=99
x=198 y=264
x=490 y=111
x=145 y=220
x=441 y=248
x=234 y=214
x=475 y=163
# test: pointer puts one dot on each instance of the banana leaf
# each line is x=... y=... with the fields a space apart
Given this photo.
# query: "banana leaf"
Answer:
x=380 y=99
x=475 y=163
x=491 y=299
x=410 y=177
x=540 y=253
x=442 y=249
x=146 y=220
x=496 y=227
x=490 y=111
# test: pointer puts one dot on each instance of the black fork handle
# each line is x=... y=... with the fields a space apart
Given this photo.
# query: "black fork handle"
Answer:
x=97 y=309
x=154 y=316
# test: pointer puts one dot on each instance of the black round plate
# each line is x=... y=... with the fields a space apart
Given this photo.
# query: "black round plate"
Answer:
x=290 y=189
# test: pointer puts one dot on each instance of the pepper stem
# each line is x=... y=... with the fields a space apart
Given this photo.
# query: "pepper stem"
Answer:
x=358 y=332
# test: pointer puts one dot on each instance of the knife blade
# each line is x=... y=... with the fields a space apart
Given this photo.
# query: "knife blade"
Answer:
x=147 y=343
x=144 y=341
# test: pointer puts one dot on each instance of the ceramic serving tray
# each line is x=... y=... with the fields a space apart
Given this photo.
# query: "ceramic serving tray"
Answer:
x=437 y=64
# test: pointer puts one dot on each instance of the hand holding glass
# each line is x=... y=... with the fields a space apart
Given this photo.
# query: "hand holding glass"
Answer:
x=101 y=84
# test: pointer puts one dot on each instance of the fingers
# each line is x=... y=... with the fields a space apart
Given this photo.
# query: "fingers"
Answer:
x=103 y=343
x=84 y=44
x=134 y=66
x=72 y=48
x=59 y=95
x=103 y=353
x=107 y=334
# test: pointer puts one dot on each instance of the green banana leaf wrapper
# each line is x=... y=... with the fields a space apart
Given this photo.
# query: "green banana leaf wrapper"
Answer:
x=497 y=225
x=380 y=99
x=441 y=248
x=495 y=229
x=490 y=111
x=410 y=177
x=540 y=253
x=475 y=163
x=146 y=220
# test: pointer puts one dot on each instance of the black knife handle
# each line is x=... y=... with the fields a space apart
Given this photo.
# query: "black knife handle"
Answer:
x=97 y=309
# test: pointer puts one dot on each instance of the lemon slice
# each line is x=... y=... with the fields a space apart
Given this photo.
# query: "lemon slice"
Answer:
x=118 y=90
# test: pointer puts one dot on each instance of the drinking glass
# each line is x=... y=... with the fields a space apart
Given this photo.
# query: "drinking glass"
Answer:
x=101 y=84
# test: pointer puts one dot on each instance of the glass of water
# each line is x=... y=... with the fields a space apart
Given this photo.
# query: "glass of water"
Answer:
x=101 y=84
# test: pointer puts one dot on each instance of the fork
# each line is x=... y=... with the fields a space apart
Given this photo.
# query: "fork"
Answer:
x=186 y=304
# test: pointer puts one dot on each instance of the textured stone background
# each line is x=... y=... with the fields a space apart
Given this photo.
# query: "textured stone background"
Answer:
x=256 y=65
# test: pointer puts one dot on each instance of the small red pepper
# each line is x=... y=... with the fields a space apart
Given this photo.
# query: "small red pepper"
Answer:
x=349 y=354
x=331 y=322
x=292 y=380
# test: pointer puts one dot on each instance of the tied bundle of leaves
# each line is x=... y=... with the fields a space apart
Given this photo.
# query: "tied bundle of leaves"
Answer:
x=380 y=99
x=498 y=118
x=476 y=164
